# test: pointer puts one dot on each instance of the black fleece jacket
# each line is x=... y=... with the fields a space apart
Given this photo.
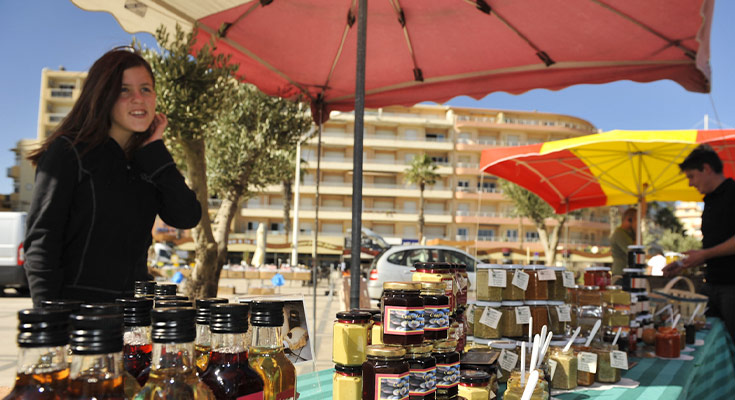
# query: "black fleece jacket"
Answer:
x=89 y=226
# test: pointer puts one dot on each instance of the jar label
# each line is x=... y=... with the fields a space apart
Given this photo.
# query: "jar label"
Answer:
x=508 y=360
x=450 y=284
x=520 y=280
x=470 y=313
x=447 y=375
x=490 y=317
x=587 y=362
x=422 y=381
x=251 y=396
x=289 y=394
x=523 y=315
x=568 y=279
x=391 y=386
x=403 y=320
x=619 y=359
x=498 y=278
x=546 y=275
x=436 y=318
x=564 y=313
x=552 y=367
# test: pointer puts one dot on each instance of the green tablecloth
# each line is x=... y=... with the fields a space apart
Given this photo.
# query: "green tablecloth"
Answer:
x=711 y=375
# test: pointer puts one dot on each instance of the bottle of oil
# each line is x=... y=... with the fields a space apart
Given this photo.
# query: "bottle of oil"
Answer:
x=202 y=343
x=137 y=344
x=266 y=354
x=228 y=373
x=96 y=364
x=43 y=371
x=173 y=373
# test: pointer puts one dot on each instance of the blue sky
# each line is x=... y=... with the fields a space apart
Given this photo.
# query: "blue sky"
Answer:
x=49 y=33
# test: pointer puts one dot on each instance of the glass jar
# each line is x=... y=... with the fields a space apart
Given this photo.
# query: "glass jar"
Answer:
x=540 y=315
x=634 y=278
x=637 y=256
x=512 y=292
x=509 y=346
x=589 y=296
x=537 y=289
x=385 y=371
x=597 y=276
x=557 y=291
x=436 y=310
x=422 y=372
x=617 y=306
x=514 y=390
x=605 y=372
x=347 y=382
x=491 y=279
x=668 y=342
x=564 y=372
x=463 y=283
x=474 y=385
x=436 y=272
x=564 y=325
x=508 y=325
x=470 y=318
x=403 y=313
x=350 y=338
x=484 y=328
x=376 y=330
x=584 y=378
x=447 y=369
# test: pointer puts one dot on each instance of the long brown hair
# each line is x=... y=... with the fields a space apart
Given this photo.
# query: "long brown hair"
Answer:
x=89 y=120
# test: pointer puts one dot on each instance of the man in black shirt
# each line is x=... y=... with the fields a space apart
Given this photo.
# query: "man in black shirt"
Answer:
x=703 y=169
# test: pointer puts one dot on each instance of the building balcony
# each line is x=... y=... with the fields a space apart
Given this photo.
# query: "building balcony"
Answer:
x=54 y=118
x=387 y=118
x=465 y=193
x=14 y=172
x=371 y=164
x=540 y=125
x=346 y=139
x=62 y=95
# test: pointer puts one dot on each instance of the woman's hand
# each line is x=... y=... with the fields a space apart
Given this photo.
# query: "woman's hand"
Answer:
x=159 y=124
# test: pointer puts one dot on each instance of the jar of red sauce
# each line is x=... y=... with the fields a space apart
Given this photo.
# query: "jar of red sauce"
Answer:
x=597 y=276
x=668 y=342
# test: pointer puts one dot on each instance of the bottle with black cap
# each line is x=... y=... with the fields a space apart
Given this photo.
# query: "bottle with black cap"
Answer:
x=266 y=354
x=96 y=363
x=174 y=303
x=173 y=374
x=43 y=371
x=163 y=289
x=202 y=343
x=71 y=305
x=137 y=344
x=100 y=309
x=145 y=288
x=228 y=373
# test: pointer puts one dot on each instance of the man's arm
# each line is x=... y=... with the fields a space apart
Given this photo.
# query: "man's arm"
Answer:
x=698 y=257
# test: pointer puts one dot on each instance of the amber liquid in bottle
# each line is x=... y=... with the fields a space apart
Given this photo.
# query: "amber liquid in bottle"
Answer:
x=87 y=387
x=277 y=372
x=40 y=386
x=137 y=361
x=173 y=375
x=201 y=357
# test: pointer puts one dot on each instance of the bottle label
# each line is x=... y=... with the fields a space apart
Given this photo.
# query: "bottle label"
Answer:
x=403 y=320
x=436 y=318
x=251 y=396
x=422 y=381
x=289 y=394
x=498 y=278
x=391 y=386
x=447 y=375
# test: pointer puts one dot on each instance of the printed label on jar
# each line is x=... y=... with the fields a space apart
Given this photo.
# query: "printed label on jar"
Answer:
x=450 y=284
x=546 y=275
x=447 y=375
x=568 y=279
x=498 y=278
x=403 y=320
x=422 y=381
x=640 y=259
x=289 y=394
x=508 y=360
x=619 y=359
x=564 y=313
x=436 y=318
x=470 y=313
x=391 y=386
x=520 y=280
x=523 y=315
x=552 y=368
x=587 y=362
x=490 y=317
x=251 y=396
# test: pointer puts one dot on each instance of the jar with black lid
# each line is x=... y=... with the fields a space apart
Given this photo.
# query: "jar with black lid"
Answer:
x=403 y=313
x=437 y=272
x=447 y=369
x=165 y=289
x=474 y=385
x=350 y=337
x=422 y=376
x=387 y=371
x=347 y=382
x=637 y=257
x=436 y=310
x=144 y=288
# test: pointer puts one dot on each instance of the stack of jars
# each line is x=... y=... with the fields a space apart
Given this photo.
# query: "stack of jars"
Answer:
x=351 y=331
x=616 y=314
x=635 y=283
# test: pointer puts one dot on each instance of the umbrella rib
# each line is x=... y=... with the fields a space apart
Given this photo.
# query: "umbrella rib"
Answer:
x=418 y=75
x=543 y=178
x=348 y=26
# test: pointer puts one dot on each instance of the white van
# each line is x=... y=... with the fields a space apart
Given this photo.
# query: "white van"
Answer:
x=12 y=234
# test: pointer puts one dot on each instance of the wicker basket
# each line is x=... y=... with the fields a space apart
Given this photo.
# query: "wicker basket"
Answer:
x=682 y=301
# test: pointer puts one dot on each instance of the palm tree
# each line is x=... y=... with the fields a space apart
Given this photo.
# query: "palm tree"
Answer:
x=422 y=172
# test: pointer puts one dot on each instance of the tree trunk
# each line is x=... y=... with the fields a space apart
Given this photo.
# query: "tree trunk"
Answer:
x=222 y=222
x=287 y=198
x=421 y=212
x=554 y=242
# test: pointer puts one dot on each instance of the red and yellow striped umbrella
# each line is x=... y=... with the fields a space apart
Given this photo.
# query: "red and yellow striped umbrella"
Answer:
x=610 y=168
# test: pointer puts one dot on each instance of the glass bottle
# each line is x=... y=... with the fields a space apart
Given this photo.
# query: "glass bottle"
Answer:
x=228 y=372
x=100 y=309
x=266 y=354
x=173 y=373
x=145 y=288
x=43 y=371
x=202 y=343
x=137 y=344
x=163 y=289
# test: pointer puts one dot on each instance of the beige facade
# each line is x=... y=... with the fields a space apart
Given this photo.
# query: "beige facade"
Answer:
x=690 y=215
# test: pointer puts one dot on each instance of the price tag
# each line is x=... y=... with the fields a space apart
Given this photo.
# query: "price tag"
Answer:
x=619 y=359
x=471 y=315
x=491 y=317
x=546 y=275
x=564 y=312
x=520 y=279
x=552 y=367
x=587 y=362
x=498 y=278
x=508 y=360
x=568 y=279
x=523 y=315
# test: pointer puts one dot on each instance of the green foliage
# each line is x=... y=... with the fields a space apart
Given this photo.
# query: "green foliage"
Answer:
x=676 y=241
x=527 y=204
x=664 y=216
x=422 y=171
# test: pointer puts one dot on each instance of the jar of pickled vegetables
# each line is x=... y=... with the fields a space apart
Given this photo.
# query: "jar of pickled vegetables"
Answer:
x=556 y=288
x=563 y=369
x=605 y=372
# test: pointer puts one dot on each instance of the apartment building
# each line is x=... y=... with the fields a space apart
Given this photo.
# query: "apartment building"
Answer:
x=465 y=208
x=690 y=215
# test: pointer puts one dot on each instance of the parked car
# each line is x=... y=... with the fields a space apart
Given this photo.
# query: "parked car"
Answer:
x=12 y=233
x=396 y=264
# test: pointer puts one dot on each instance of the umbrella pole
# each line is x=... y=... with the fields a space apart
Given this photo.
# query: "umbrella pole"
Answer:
x=315 y=255
x=355 y=276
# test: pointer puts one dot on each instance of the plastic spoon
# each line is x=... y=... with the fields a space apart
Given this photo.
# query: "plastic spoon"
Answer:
x=667 y=307
x=543 y=332
x=531 y=386
x=593 y=332
x=534 y=352
x=694 y=314
x=530 y=329
x=617 y=336
x=676 y=320
x=574 y=336
x=523 y=362
x=544 y=349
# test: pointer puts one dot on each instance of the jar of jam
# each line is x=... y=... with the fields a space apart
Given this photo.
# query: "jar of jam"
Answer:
x=634 y=278
x=512 y=292
x=538 y=289
x=350 y=337
x=422 y=372
x=563 y=370
x=508 y=325
x=347 y=382
x=605 y=372
x=376 y=331
x=436 y=272
x=436 y=310
x=403 y=313
x=539 y=313
x=491 y=279
x=637 y=257
x=597 y=276
x=447 y=369
x=668 y=342
x=505 y=367
x=474 y=385
x=385 y=374
x=487 y=320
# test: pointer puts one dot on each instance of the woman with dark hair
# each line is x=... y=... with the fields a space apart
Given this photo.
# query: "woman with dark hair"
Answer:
x=101 y=179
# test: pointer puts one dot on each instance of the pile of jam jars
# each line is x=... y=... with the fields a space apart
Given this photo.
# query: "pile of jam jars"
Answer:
x=616 y=314
x=635 y=282
x=349 y=352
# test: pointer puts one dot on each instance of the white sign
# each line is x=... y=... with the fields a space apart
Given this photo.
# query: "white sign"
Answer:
x=523 y=315
x=491 y=317
x=546 y=275
x=498 y=278
x=568 y=279
x=552 y=367
x=470 y=313
x=587 y=362
x=520 y=279
x=619 y=359
x=564 y=313
x=508 y=360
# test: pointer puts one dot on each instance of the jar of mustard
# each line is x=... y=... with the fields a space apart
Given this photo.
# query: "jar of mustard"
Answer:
x=350 y=337
x=347 y=382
